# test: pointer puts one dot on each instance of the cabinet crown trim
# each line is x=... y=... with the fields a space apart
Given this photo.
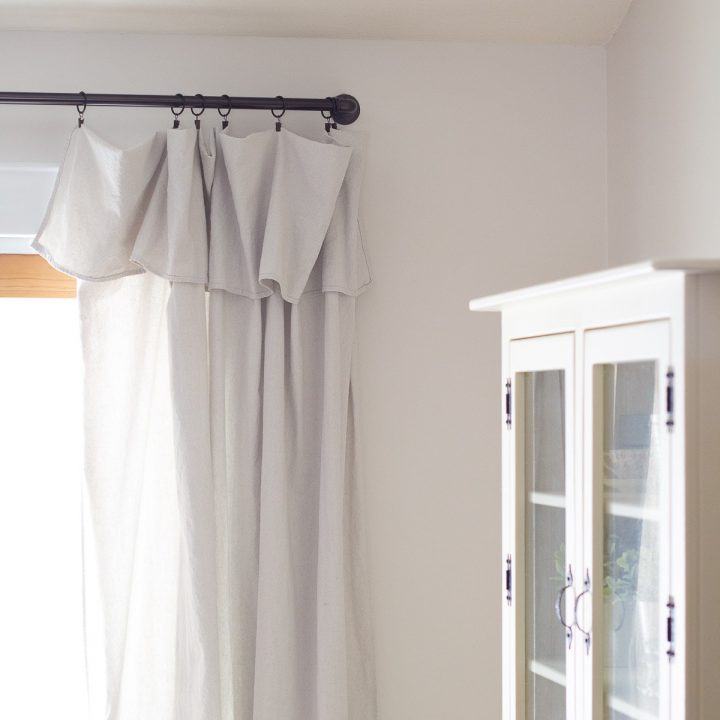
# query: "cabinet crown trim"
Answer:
x=495 y=303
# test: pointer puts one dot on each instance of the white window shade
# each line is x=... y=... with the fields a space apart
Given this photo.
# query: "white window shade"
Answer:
x=25 y=191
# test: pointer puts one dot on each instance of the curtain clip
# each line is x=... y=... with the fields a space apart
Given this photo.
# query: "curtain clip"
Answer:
x=224 y=115
x=198 y=114
x=278 y=124
x=81 y=110
x=178 y=113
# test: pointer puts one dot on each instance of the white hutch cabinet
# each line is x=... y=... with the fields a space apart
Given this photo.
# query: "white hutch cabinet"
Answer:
x=611 y=495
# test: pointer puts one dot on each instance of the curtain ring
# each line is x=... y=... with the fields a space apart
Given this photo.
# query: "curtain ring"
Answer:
x=198 y=114
x=282 y=112
x=176 y=122
x=328 y=117
x=225 y=115
x=81 y=112
x=278 y=124
x=333 y=112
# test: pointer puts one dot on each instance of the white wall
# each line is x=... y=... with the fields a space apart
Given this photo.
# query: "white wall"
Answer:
x=664 y=131
x=486 y=172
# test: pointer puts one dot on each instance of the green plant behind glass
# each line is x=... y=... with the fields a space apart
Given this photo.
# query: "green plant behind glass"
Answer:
x=620 y=567
x=620 y=570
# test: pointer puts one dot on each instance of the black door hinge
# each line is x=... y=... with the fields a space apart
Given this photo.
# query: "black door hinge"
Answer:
x=671 y=628
x=508 y=579
x=508 y=404
x=670 y=398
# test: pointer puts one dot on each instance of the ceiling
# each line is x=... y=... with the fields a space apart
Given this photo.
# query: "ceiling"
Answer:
x=572 y=22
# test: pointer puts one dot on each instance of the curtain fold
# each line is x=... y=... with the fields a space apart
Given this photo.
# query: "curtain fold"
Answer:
x=224 y=564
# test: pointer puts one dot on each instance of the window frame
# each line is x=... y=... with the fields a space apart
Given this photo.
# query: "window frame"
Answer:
x=31 y=276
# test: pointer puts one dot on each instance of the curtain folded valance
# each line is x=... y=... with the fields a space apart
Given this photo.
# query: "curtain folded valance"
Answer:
x=252 y=215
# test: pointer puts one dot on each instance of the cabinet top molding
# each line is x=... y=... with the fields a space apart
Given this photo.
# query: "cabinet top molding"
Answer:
x=501 y=301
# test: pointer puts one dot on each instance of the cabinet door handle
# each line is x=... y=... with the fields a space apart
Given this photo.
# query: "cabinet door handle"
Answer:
x=586 y=591
x=559 y=606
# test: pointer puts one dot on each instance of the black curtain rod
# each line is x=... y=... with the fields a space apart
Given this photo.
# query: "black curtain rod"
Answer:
x=344 y=108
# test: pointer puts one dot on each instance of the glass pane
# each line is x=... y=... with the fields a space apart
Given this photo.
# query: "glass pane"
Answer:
x=545 y=431
x=545 y=562
x=546 y=699
x=632 y=608
x=544 y=478
x=617 y=716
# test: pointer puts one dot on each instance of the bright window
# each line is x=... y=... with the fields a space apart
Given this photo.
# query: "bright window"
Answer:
x=42 y=672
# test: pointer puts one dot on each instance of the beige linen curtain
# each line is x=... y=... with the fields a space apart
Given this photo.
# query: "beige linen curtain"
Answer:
x=224 y=564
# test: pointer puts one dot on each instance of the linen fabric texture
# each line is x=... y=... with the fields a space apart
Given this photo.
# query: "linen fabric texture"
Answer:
x=223 y=547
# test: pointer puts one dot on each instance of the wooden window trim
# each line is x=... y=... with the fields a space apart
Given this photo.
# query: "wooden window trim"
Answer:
x=31 y=276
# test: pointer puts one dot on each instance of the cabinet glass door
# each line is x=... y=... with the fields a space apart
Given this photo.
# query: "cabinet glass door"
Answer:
x=542 y=457
x=629 y=521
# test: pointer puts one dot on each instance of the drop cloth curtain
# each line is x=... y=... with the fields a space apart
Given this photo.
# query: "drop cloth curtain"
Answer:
x=224 y=570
